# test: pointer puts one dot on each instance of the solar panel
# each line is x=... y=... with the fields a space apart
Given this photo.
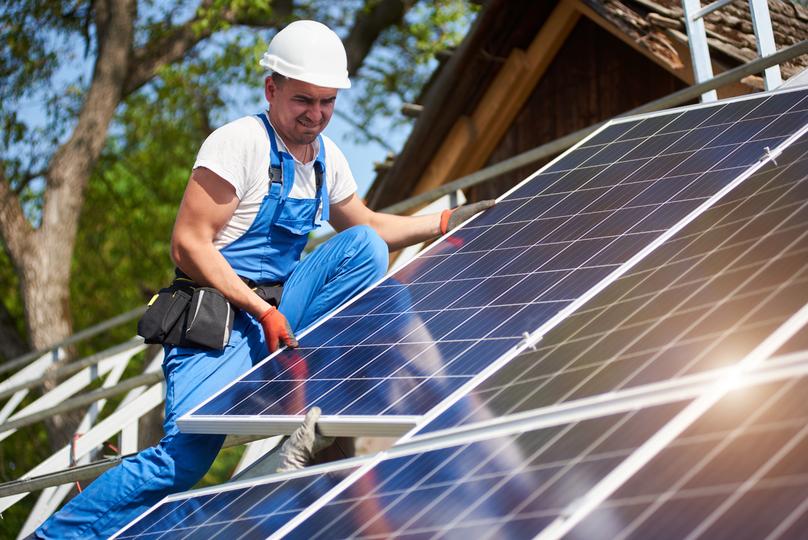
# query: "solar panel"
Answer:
x=461 y=310
x=703 y=300
x=515 y=481
x=245 y=509
x=740 y=471
x=504 y=486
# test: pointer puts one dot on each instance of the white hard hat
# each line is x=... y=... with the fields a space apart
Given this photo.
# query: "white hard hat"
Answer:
x=310 y=52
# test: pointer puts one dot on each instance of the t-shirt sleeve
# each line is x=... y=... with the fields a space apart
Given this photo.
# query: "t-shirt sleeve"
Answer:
x=228 y=152
x=344 y=183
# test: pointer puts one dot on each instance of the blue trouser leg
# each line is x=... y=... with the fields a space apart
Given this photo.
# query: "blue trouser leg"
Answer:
x=338 y=269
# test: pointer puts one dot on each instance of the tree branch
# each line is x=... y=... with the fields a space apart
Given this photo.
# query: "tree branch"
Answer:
x=14 y=228
x=149 y=59
x=369 y=23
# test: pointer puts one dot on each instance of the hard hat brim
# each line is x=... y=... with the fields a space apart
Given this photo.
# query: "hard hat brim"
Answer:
x=275 y=64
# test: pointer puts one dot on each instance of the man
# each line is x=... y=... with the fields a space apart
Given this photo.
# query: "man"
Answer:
x=258 y=187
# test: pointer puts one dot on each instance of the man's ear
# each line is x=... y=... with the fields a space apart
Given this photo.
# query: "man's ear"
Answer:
x=269 y=88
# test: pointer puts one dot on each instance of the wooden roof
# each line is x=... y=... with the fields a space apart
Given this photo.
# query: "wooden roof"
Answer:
x=658 y=26
x=462 y=85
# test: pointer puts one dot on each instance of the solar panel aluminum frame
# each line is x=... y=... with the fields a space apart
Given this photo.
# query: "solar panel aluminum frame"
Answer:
x=406 y=426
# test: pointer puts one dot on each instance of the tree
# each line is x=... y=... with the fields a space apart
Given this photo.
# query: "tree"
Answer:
x=109 y=80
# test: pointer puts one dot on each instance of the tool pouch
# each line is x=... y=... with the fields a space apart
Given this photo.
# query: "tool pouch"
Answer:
x=166 y=314
x=189 y=316
x=209 y=321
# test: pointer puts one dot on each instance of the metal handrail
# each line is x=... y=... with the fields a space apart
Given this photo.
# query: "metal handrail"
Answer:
x=94 y=330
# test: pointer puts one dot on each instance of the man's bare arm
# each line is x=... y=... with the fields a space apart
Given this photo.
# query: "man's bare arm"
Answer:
x=400 y=231
x=208 y=203
x=397 y=231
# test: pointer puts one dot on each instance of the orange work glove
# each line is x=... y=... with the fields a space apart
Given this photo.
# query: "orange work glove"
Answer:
x=276 y=329
x=451 y=218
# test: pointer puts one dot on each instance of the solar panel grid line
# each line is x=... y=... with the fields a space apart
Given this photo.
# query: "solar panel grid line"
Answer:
x=414 y=390
x=710 y=455
x=662 y=438
x=276 y=479
x=647 y=395
x=698 y=320
x=535 y=337
x=580 y=328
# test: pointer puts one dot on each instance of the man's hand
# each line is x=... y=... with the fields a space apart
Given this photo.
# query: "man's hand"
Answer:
x=276 y=329
x=300 y=447
x=450 y=219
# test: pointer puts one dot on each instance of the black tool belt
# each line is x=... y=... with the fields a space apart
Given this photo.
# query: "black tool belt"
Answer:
x=189 y=315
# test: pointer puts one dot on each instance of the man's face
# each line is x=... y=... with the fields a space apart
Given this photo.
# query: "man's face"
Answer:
x=299 y=110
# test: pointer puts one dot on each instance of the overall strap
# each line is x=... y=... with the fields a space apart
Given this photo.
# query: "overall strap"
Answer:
x=322 y=185
x=275 y=163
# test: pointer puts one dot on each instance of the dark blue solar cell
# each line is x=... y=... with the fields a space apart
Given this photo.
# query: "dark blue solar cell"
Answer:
x=261 y=396
x=479 y=324
x=470 y=358
x=504 y=210
x=169 y=514
x=346 y=361
x=224 y=403
x=691 y=119
x=659 y=167
x=649 y=126
x=439 y=325
x=779 y=103
x=575 y=202
x=610 y=133
x=341 y=394
x=575 y=159
x=732 y=112
x=523 y=319
x=617 y=151
x=787 y=123
x=652 y=147
x=485 y=292
x=655 y=193
x=488 y=264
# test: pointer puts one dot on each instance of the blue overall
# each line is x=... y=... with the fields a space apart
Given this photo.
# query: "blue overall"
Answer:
x=268 y=252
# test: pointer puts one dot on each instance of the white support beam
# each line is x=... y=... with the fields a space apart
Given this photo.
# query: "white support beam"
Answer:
x=71 y=386
x=103 y=431
x=762 y=24
x=32 y=370
x=699 y=50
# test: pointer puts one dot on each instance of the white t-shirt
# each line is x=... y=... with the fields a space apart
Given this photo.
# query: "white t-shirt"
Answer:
x=239 y=153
